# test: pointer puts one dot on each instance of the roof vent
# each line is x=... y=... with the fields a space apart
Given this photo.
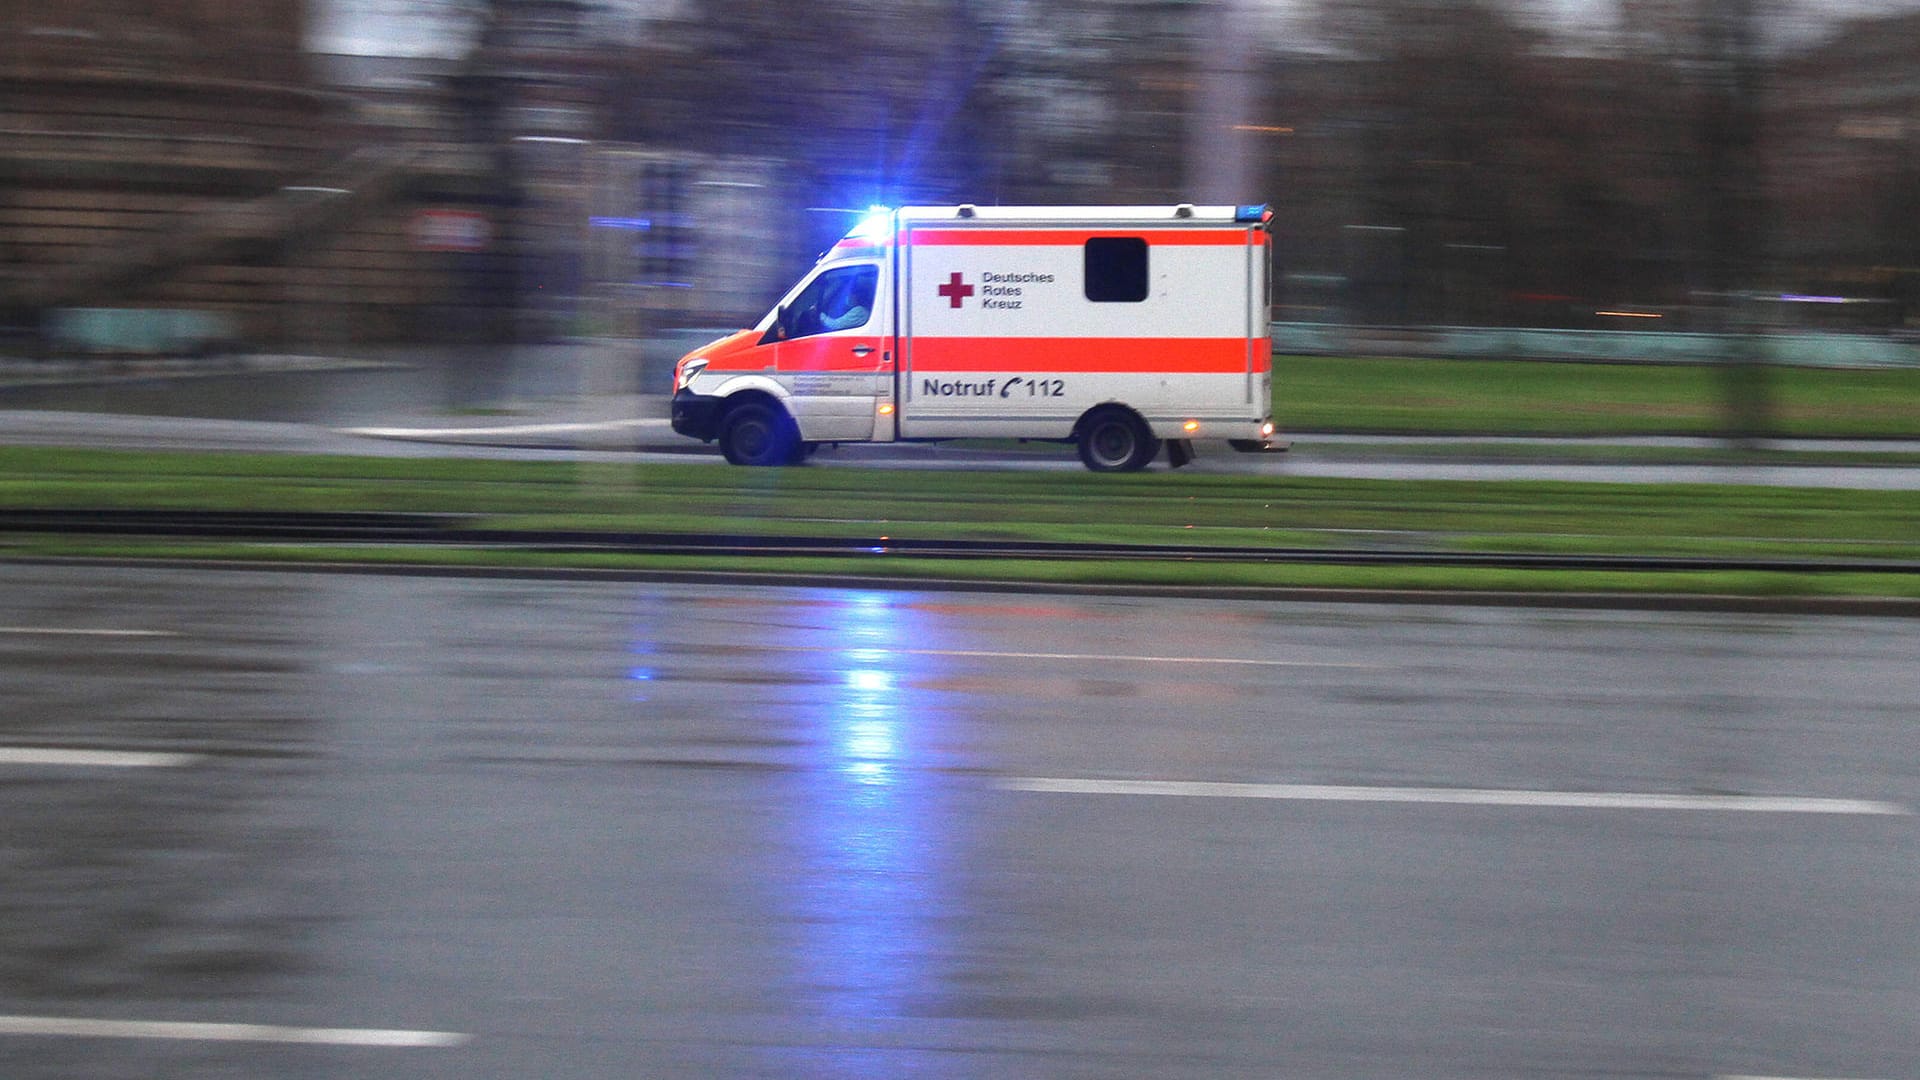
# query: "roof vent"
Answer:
x=1184 y=210
x=966 y=209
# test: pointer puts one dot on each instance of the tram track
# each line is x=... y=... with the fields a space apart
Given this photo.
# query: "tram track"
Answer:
x=452 y=530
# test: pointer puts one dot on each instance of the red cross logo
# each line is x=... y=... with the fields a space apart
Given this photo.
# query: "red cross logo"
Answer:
x=954 y=290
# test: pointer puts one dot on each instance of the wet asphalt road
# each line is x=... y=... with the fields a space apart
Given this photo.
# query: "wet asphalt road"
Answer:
x=512 y=828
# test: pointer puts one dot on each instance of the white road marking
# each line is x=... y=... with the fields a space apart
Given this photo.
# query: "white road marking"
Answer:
x=1226 y=660
x=96 y=759
x=1582 y=800
x=507 y=429
x=58 y=631
x=988 y=654
x=1736 y=1077
x=265 y=1033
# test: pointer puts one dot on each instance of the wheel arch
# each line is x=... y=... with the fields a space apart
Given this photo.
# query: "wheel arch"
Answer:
x=1092 y=411
x=736 y=388
x=753 y=395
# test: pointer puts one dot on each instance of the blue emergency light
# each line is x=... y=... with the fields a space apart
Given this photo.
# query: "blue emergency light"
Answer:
x=1257 y=212
x=875 y=226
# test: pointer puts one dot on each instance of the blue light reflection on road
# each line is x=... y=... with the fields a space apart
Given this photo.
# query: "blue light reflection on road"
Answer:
x=643 y=647
x=872 y=899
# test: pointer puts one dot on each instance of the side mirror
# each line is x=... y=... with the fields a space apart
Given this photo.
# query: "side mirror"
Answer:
x=782 y=322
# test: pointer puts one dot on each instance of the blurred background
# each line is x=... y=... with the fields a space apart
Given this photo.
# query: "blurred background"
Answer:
x=181 y=176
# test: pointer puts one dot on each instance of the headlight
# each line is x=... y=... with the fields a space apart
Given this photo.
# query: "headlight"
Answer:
x=684 y=373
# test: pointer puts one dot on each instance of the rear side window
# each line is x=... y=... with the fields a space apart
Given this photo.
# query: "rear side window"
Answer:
x=1117 y=269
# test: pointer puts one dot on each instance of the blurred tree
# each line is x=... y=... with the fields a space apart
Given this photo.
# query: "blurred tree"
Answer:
x=1447 y=115
x=871 y=101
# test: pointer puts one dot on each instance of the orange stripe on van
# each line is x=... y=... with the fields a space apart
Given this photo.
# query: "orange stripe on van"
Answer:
x=1200 y=356
x=984 y=237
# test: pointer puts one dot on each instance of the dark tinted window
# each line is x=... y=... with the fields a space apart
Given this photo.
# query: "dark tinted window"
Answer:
x=1117 y=269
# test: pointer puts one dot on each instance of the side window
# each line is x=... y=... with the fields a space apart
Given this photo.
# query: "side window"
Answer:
x=837 y=300
x=1117 y=269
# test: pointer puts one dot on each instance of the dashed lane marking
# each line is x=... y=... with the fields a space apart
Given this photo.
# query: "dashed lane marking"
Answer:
x=262 y=1033
x=1224 y=660
x=62 y=631
x=989 y=654
x=1734 y=1077
x=506 y=429
x=93 y=759
x=1580 y=800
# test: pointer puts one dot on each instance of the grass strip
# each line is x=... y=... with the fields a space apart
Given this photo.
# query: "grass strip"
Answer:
x=1536 y=453
x=1069 y=506
x=1389 y=395
x=1565 y=518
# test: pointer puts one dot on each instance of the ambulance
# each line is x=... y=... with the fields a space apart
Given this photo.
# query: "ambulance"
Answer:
x=1117 y=329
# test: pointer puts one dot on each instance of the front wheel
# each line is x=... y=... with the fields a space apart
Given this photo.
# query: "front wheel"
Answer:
x=1116 y=440
x=758 y=434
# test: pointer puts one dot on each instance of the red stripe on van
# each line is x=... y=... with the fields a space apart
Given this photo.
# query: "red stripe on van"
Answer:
x=931 y=355
x=1068 y=237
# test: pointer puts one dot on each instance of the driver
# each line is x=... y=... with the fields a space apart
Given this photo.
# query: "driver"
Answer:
x=841 y=308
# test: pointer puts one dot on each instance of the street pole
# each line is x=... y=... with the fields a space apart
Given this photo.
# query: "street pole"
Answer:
x=1219 y=162
x=1734 y=212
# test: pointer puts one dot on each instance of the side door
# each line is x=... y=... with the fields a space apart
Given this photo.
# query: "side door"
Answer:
x=831 y=353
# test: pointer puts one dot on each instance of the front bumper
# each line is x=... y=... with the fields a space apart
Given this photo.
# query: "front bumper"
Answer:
x=697 y=415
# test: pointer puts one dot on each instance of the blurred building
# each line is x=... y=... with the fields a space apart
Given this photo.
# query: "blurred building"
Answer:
x=123 y=121
x=619 y=223
x=191 y=160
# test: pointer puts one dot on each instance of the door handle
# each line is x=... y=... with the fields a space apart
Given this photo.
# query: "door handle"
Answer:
x=863 y=350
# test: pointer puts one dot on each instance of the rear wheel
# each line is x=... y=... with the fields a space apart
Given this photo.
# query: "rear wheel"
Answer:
x=756 y=433
x=1116 y=440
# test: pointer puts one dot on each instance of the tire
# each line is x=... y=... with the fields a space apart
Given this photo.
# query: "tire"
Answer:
x=756 y=433
x=1116 y=440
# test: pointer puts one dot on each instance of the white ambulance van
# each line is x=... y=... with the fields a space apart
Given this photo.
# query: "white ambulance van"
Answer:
x=1119 y=329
